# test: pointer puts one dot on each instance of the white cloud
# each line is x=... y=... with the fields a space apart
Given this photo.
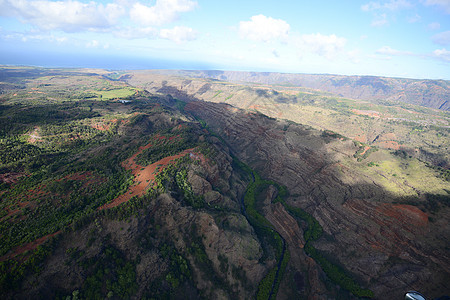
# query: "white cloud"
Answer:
x=379 y=20
x=382 y=57
x=178 y=34
x=34 y=37
x=78 y=15
x=386 y=50
x=66 y=15
x=265 y=29
x=136 y=33
x=327 y=46
x=275 y=53
x=93 y=44
x=381 y=9
x=442 y=54
x=387 y=5
x=163 y=12
x=442 y=38
x=414 y=19
x=354 y=56
x=445 y=4
x=434 y=26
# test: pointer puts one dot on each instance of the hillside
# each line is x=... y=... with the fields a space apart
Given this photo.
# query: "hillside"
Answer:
x=151 y=187
x=384 y=90
x=408 y=129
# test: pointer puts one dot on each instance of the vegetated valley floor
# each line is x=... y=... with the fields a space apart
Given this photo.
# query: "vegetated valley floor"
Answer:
x=161 y=187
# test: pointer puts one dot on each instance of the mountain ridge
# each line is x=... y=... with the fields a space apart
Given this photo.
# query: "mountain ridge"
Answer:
x=424 y=92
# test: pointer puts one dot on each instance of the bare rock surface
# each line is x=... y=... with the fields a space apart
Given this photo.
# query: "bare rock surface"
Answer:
x=389 y=248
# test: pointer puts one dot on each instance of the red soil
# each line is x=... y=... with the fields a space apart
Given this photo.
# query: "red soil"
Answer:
x=28 y=247
x=365 y=150
x=413 y=214
x=409 y=216
x=361 y=138
x=27 y=198
x=388 y=145
x=87 y=177
x=388 y=137
x=144 y=176
x=105 y=125
x=393 y=221
x=10 y=178
x=369 y=113
x=100 y=126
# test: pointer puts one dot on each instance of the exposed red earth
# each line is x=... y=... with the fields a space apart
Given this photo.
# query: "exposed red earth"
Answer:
x=28 y=247
x=388 y=145
x=369 y=113
x=406 y=214
x=27 y=200
x=106 y=125
x=144 y=176
x=10 y=178
x=365 y=149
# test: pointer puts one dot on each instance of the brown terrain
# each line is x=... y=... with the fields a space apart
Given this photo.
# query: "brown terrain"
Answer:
x=223 y=235
x=387 y=241
x=429 y=93
x=366 y=230
x=364 y=126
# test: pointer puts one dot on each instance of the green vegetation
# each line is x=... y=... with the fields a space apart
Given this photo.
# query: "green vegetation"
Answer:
x=63 y=151
x=364 y=151
x=268 y=287
x=167 y=145
x=172 y=280
x=115 y=93
x=217 y=94
x=314 y=231
x=335 y=273
x=12 y=271
x=108 y=274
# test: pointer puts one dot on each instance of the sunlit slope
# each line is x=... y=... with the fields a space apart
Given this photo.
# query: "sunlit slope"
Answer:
x=421 y=132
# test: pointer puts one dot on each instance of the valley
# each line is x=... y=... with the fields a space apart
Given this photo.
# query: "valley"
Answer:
x=179 y=184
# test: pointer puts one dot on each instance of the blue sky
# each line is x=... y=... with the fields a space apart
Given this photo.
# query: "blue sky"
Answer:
x=401 y=38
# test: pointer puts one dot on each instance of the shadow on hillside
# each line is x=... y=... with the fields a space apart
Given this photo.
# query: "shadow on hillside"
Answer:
x=388 y=242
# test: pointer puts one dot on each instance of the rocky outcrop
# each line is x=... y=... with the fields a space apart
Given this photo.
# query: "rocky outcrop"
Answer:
x=389 y=248
x=222 y=252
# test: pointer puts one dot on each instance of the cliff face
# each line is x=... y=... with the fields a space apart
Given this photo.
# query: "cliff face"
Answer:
x=390 y=247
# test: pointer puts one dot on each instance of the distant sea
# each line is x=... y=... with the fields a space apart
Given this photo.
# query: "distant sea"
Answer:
x=109 y=62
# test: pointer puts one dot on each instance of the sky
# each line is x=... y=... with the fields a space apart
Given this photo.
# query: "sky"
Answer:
x=394 y=38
